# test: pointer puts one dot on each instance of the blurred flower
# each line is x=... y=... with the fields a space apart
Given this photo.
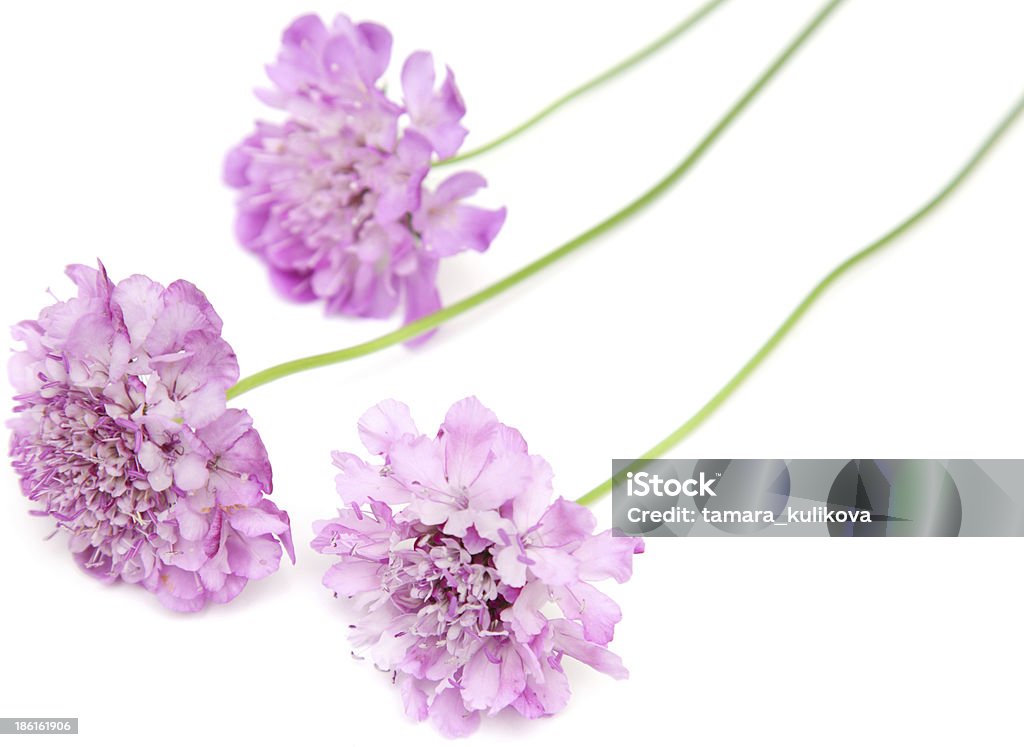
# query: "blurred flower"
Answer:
x=123 y=436
x=334 y=198
x=455 y=556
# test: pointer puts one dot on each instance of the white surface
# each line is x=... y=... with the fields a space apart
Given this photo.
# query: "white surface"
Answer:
x=116 y=117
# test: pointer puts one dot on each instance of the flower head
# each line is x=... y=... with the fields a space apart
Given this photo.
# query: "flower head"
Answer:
x=123 y=436
x=455 y=556
x=333 y=199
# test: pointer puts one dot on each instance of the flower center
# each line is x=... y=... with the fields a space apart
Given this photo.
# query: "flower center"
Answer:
x=318 y=192
x=81 y=465
x=451 y=591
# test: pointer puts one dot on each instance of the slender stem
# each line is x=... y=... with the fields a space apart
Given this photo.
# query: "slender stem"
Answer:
x=784 y=329
x=634 y=59
x=427 y=323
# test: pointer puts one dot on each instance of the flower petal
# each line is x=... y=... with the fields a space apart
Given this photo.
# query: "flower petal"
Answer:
x=450 y=717
x=606 y=556
x=385 y=423
x=353 y=576
x=568 y=637
x=481 y=679
x=595 y=610
x=469 y=430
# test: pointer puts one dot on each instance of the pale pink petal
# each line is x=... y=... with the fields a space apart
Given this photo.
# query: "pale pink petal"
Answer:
x=385 y=423
x=568 y=637
x=533 y=500
x=140 y=301
x=190 y=472
x=359 y=482
x=450 y=717
x=512 y=681
x=180 y=590
x=481 y=679
x=414 y=697
x=525 y=614
x=417 y=464
x=434 y=114
x=595 y=610
x=502 y=479
x=510 y=567
x=253 y=557
x=469 y=429
x=544 y=695
x=565 y=525
x=553 y=566
x=253 y=521
x=606 y=556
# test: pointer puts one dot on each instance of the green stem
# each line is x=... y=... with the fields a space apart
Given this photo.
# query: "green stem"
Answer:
x=784 y=329
x=427 y=323
x=638 y=57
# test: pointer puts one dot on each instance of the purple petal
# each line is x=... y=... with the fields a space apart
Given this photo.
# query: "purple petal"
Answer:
x=352 y=576
x=449 y=227
x=232 y=587
x=500 y=481
x=435 y=115
x=185 y=311
x=359 y=482
x=421 y=296
x=414 y=698
x=605 y=556
x=595 y=610
x=306 y=31
x=511 y=569
x=458 y=187
x=513 y=679
x=252 y=557
x=141 y=303
x=544 y=695
x=376 y=47
x=242 y=466
x=533 y=500
x=448 y=714
x=190 y=472
x=469 y=429
x=417 y=463
x=385 y=423
x=180 y=590
x=295 y=286
x=553 y=567
x=254 y=521
x=568 y=637
x=525 y=614
x=481 y=679
x=566 y=524
x=236 y=164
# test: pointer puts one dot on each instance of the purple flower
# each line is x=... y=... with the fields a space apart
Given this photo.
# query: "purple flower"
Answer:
x=334 y=198
x=454 y=555
x=123 y=436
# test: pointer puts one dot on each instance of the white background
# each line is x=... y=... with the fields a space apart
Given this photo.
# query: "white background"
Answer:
x=115 y=119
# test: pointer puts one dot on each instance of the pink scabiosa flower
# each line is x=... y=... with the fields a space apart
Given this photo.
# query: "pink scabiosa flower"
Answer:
x=122 y=435
x=333 y=199
x=470 y=583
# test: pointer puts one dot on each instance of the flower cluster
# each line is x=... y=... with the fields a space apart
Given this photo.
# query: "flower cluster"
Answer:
x=123 y=436
x=334 y=198
x=455 y=555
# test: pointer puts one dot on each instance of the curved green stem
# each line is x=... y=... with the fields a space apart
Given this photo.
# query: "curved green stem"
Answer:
x=784 y=329
x=427 y=323
x=671 y=35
